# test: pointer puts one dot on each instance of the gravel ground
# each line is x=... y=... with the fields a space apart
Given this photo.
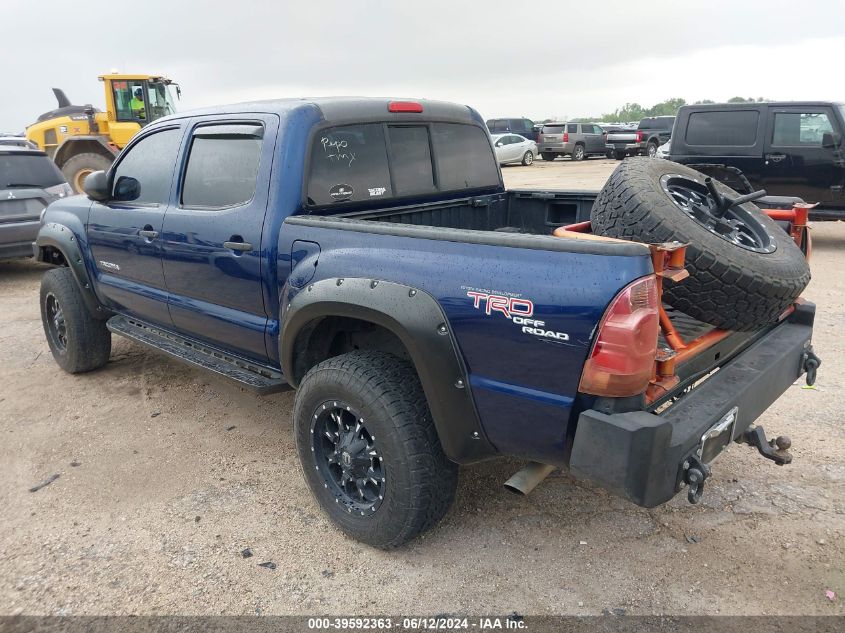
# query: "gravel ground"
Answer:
x=167 y=474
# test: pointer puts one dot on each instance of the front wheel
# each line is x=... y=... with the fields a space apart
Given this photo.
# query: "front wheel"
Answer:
x=528 y=158
x=369 y=450
x=77 y=340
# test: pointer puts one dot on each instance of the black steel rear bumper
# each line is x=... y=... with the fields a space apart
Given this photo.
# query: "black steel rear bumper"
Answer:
x=640 y=455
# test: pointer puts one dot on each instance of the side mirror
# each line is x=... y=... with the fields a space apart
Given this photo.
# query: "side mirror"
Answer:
x=830 y=140
x=498 y=143
x=127 y=189
x=96 y=186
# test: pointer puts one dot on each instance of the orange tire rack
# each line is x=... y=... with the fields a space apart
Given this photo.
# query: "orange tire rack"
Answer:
x=668 y=262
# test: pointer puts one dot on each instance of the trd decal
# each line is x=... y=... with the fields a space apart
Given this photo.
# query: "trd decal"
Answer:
x=517 y=309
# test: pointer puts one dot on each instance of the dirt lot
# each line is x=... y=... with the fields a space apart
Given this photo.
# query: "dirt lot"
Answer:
x=167 y=473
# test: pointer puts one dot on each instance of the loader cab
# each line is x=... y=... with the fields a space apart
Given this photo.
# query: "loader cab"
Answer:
x=135 y=101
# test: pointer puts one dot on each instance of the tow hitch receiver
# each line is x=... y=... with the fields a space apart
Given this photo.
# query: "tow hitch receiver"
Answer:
x=777 y=449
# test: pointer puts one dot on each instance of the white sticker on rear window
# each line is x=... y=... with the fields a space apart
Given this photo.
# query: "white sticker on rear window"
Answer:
x=377 y=191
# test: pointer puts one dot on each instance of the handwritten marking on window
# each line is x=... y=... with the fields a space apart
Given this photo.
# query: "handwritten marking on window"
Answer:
x=337 y=150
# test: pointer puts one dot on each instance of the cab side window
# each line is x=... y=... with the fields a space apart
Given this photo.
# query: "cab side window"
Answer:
x=222 y=168
x=145 y=173
x=129 y=100
x=800 y=128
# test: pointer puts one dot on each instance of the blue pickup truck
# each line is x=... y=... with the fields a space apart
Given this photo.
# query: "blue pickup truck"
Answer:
x=366 y=253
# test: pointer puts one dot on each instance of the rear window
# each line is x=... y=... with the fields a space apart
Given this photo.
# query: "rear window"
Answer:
x=731 y=128
x=28 y=170
x=410 y=160
x=522 y=125
x=464 y=157
x=375 y=161
x=554 y=129
x=572 y=128
x=661 y=123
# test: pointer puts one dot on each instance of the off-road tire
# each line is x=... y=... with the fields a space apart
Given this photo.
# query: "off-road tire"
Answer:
x=420 y=481
x=578 y=155
x=528 y=158
x=79 y=166
x=729 y=286
x=548 y=155
x=88 y=341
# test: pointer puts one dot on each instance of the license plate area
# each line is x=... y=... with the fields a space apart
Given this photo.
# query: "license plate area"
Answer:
x=717 y=437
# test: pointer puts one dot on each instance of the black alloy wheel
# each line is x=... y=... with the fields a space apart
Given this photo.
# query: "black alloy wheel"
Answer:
x=347 y=457
x=736 y=225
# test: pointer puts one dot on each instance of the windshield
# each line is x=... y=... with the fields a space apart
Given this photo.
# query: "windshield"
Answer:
x=26 y=170
x=161 y=101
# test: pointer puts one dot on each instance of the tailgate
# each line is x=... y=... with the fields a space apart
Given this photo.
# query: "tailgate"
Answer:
x=18 y=209
x=622 y=137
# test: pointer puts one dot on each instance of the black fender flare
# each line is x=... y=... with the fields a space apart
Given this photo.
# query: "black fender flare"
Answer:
x=63 y=239
x=416 y=318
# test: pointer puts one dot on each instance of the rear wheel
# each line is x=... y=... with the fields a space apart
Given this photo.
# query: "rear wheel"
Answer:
x=77 y=168
x=528 y=158
x=651 y=150
x=369 y=449
x=744 y=269
x=77 y=340
x=548 y=155
x=578 y=153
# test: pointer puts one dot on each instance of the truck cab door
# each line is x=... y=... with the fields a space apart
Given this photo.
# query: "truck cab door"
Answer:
x=124 y=233
x=595 y=140
x=795 y=160
x=212 y=244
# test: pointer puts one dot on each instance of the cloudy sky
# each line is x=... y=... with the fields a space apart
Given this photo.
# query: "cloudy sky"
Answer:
x=537 y=59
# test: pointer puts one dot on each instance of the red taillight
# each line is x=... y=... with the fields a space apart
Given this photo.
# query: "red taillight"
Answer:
x=639 y=137
x=566 y=137
x=622 y=360
x=404 y=106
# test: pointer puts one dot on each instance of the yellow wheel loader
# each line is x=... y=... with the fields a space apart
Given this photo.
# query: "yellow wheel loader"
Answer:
x=81 y=139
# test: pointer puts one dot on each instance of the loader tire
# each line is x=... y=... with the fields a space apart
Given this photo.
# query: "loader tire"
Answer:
x=77 y=168
x=741 y=280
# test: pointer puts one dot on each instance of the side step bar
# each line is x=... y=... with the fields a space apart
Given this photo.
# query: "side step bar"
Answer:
x=261 y=379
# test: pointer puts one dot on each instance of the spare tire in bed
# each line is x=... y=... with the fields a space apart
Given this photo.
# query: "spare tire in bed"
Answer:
x=744 y=269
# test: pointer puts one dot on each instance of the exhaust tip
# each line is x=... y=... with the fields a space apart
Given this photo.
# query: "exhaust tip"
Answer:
x=525 y=480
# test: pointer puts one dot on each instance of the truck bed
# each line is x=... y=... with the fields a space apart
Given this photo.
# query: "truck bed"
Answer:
x=516 y=211
x=532 y=212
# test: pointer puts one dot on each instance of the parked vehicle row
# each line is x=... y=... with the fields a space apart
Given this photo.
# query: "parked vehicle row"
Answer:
x=580 y=140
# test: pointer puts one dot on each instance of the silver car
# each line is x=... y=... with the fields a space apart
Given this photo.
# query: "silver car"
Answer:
x=577 y=140
x=29 y=181
x=513 y=148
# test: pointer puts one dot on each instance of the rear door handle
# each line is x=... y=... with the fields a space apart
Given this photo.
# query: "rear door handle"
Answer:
x=148 y=233
x=238 y=246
